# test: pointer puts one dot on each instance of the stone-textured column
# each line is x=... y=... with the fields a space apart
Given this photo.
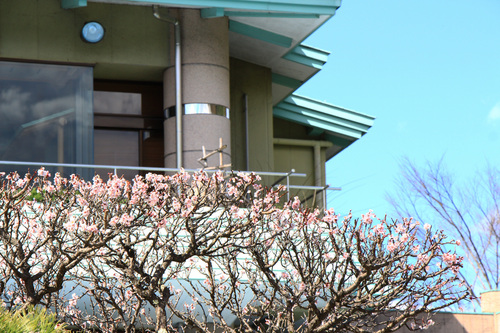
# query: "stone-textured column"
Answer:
x=205 y=81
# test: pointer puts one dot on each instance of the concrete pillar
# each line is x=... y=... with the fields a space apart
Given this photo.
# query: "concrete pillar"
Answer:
x=490 y=301
x=205 y=91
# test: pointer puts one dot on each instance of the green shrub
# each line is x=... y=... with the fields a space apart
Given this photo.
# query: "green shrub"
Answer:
x=29 y=321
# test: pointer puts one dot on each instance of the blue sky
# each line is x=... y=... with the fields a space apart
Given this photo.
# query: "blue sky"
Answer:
x=429 y=71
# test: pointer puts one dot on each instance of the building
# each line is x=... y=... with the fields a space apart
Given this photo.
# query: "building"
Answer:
x=163 y=83
x=486 y=321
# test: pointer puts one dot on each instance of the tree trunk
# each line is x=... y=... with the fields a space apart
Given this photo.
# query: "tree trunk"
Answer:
x=161 y=319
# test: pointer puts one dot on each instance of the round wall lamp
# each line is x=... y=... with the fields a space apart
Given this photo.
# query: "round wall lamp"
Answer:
x=92 y=32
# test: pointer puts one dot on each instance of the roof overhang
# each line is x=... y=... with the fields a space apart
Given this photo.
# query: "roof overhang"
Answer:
x=338 y=125
x=286 y=6
x=266 y=33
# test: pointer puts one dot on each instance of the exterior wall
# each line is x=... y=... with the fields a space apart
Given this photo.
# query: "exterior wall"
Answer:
x=460 y=323
x=255 y=82
x=40 y=30
x=300 y=158
x=292 y=157
x=490 y=301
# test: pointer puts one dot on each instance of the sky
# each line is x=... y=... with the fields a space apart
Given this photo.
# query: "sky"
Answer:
x=429 y=71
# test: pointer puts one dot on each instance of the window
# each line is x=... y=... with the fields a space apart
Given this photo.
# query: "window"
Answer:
x=128 y=126
x=46 y=113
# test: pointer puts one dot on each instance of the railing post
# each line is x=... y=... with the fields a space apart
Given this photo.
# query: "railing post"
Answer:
x=288 y=184
x=324 y=196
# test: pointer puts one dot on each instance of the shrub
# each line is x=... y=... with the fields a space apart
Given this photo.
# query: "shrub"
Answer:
x=30 y=320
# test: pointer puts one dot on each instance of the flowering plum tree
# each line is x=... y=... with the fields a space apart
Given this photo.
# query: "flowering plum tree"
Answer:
x=326 y=274
x=215 y=253
x=46 y=230
x=175 y=220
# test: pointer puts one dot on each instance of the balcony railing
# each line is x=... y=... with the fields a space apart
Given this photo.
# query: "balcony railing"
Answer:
x=117 y=168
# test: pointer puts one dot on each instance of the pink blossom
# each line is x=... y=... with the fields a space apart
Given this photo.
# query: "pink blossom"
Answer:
x=219 y=176
x=92 y=228
x=126 y=219
x=86 y=212
x=49 y=188
x=114 y=220
x=73 y=300
x=153 y=199
x=458 y=242
x=422 y=258
x=71 y=225
x=245 y=176
x=427 y=226
x=49 y=215
x=82 y=201
x=232 y=190
x=368 y=217
x=328 y=256
x=176 y=205
x=20 y=182
x=399 y=228
x=43 y=173
x=379 y=229
x=391 y=246
x=296 y=203
x=240 y=214
x=330 y=216
x=449 y=258
x=162 y=223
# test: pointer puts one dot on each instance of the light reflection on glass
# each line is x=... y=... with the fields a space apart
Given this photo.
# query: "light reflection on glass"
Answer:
x=46 y=113
x=117 y=102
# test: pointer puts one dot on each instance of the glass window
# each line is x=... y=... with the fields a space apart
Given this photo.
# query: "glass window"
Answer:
x=117 y=102
x=46 y=113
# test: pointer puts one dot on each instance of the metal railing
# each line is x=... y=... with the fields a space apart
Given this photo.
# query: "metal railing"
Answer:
x=116 y=168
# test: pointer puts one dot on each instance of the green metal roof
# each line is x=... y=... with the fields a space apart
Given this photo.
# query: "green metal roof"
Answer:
x=260 y=34
x=340 y=126
x=317 y=7
x=303 y=62
x=308 y=56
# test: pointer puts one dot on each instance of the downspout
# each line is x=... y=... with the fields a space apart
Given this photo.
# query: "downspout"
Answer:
x=247 y=147
x=178 y=81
